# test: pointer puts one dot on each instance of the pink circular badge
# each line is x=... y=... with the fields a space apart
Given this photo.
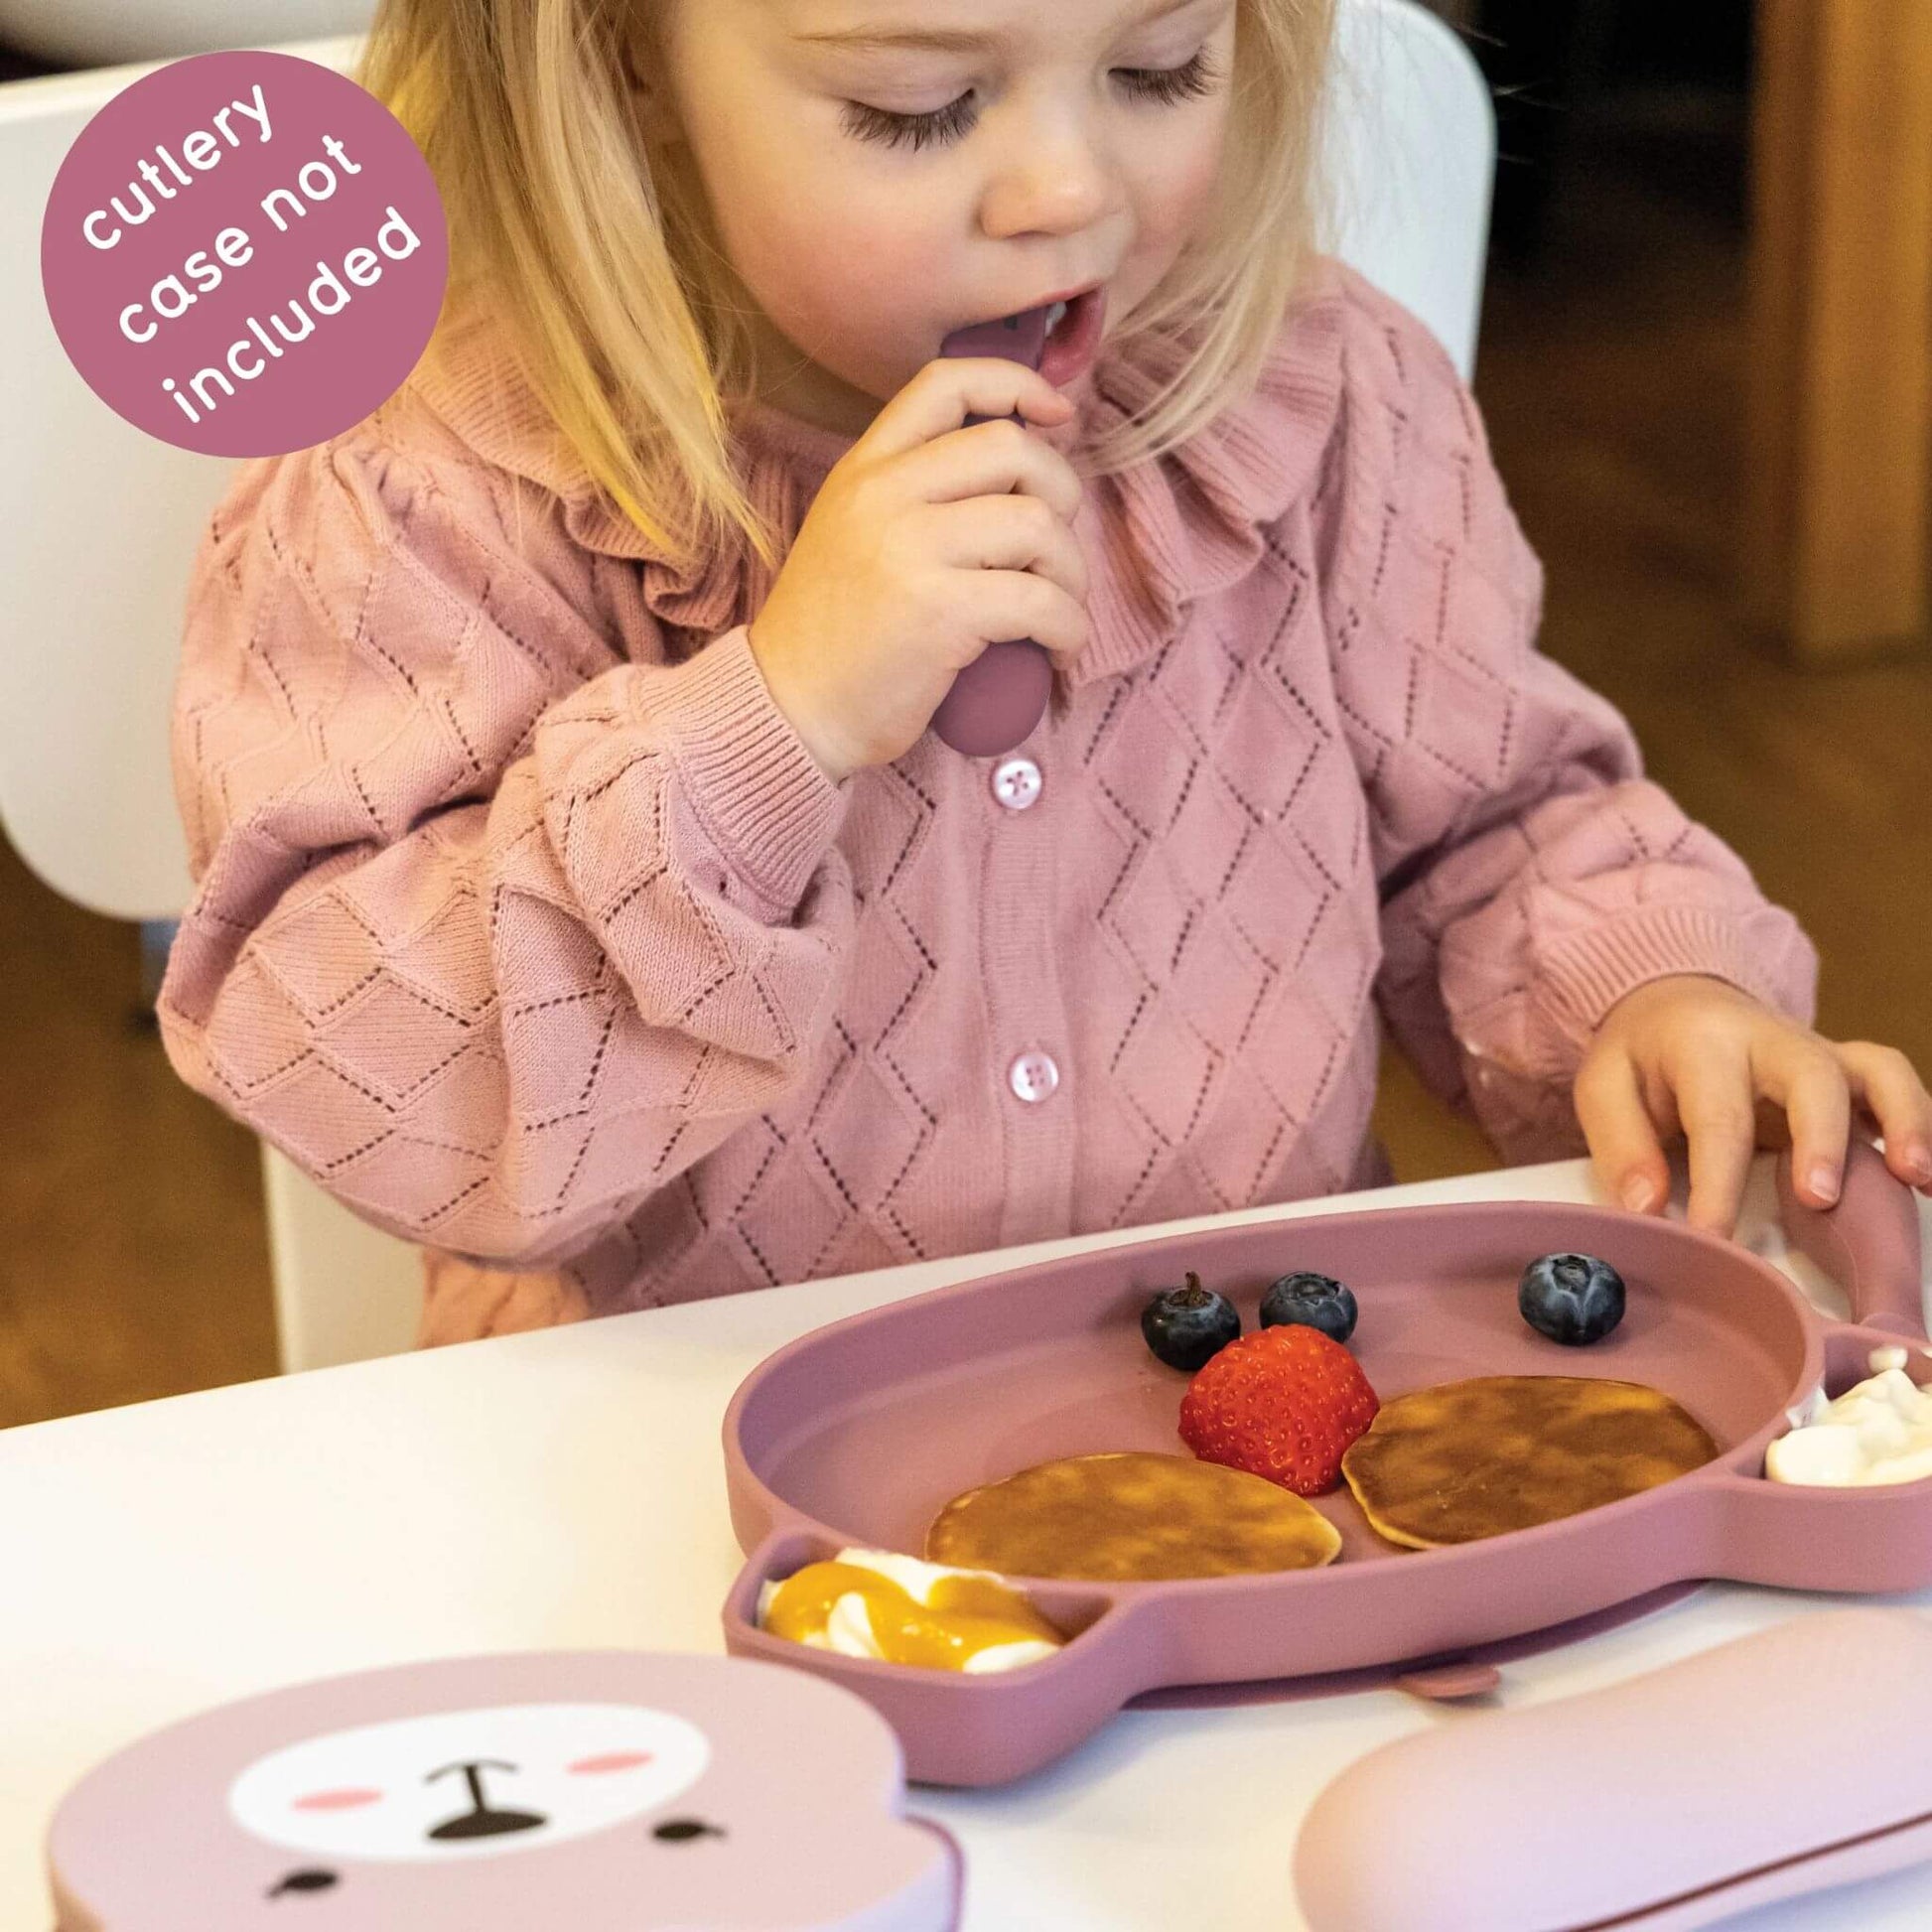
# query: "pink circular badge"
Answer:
x=244 y=254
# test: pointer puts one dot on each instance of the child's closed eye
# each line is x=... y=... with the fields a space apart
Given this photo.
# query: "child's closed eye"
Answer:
x=1162 y=85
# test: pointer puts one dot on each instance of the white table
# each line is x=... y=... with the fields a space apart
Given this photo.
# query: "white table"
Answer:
x=566 y=1489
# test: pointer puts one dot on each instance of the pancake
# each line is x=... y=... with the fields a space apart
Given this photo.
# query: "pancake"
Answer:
x=1131 y=1518
x=1500 y=1453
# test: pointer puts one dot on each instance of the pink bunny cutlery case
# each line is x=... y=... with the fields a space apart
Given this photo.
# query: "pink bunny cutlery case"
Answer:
x=1766 y=1768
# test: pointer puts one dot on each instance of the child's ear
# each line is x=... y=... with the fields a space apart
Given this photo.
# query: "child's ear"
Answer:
x=641 y=69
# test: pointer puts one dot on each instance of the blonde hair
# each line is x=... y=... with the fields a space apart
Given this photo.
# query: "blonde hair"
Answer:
x=618 y=302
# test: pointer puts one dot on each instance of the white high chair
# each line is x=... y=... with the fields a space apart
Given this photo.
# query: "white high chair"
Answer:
x=92 y=32
x=98 y=524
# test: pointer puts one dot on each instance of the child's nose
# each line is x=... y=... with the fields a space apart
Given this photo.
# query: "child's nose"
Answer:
x=1053 y=179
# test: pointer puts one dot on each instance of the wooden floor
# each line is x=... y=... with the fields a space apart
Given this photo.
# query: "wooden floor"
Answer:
x=132 y=1257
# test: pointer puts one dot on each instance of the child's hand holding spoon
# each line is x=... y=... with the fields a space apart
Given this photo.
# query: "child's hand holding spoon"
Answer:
x=944 y=528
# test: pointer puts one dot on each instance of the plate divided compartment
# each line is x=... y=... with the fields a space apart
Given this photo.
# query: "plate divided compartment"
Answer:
x=862 y=1432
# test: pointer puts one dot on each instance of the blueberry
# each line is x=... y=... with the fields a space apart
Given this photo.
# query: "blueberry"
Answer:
x=1187 y=1327
x=1571 y=1299
x=1309 y=1302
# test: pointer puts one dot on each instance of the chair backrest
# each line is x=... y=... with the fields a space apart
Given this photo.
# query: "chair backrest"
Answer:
x=96 y=33
x=99 y=526
x=1412 y=163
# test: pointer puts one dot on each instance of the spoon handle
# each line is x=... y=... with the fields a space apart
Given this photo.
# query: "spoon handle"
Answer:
x=998 y=698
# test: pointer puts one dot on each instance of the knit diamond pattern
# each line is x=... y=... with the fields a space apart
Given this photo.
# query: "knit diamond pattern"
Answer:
x=526 y=923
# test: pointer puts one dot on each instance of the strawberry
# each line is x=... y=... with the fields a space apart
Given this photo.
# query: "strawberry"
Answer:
x=1283 y=1403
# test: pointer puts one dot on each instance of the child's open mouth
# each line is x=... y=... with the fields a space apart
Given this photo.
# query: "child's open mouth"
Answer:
x=1073 y=337
x=1059 y=340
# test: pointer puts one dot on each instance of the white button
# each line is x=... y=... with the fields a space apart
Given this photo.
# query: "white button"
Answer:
x=1016 y=783
x=1034 y=1076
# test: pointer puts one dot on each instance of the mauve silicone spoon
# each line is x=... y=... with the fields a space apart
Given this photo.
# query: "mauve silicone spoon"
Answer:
x=1000 y=696
x=1869 y=1242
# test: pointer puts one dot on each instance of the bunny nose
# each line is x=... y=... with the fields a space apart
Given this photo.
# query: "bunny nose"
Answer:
x=489 y=1824
x=483 y=1820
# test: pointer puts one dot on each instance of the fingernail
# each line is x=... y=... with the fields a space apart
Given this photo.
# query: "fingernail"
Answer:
x=1638 y=1195
x=1822 y=1181
x=1916 y=1159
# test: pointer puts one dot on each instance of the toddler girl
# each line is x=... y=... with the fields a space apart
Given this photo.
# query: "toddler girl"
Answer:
x=581 y=894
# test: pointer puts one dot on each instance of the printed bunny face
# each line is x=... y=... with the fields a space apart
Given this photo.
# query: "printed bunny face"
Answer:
x=607 y=1791
x=466 y=1784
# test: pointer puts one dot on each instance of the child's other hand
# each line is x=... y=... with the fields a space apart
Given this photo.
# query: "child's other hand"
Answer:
x=927 y=541
x=1693 y=1056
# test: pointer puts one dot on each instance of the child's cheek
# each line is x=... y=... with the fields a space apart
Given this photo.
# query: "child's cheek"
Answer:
x=859 y=289
x=1180 y=195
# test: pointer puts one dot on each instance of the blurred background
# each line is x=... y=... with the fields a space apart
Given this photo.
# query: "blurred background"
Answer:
x=1703 y=365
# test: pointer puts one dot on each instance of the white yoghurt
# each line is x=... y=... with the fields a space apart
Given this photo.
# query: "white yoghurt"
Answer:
x=1877 y=1432
x=848 y=1624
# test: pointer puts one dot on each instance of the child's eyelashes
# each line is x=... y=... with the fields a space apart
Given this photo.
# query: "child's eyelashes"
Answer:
x=908 y=130
x=1164 y=85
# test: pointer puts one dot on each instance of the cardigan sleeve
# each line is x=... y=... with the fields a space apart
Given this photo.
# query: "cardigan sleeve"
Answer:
x=1529 y=874
x=503 y=917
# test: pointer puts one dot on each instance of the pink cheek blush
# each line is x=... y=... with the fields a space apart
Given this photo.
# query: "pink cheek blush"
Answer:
x=336 y=1800
x=609 y=1761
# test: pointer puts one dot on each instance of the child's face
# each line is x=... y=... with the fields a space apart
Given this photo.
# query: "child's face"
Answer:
x=1055 y=163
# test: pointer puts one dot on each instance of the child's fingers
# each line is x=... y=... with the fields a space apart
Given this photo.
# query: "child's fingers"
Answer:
x=992 y=460
x=1019 y=603
x=945 y=392
x=1805 y=1079
x=1715 y=1103
x=1012 y=533
x=1890 y=1087
x=1622 y=1135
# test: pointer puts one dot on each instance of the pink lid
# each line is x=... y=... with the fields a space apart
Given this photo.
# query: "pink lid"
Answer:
x=605 y=1791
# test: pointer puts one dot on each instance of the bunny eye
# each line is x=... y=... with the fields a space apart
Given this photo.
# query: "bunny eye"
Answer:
x=312 y=1879
x=682 y=1831
x=346 y=1800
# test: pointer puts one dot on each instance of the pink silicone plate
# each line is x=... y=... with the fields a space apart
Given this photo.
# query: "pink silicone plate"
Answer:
x=863 y=1431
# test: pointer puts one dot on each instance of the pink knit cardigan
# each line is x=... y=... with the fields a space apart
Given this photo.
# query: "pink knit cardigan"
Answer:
x=529 y=928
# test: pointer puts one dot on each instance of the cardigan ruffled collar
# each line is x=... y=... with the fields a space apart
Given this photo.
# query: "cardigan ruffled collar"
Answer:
x=1156 y=537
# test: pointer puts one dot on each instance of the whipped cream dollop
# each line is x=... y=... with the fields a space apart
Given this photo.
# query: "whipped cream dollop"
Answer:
x=1877 y=1432
x=960 y=1620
